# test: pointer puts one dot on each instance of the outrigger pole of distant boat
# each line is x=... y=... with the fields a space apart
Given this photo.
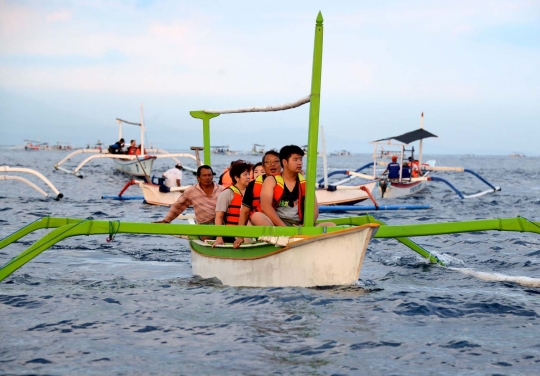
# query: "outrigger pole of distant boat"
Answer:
x=29 y=183
x=283 y=256
x=402 y=187
x=139 y=164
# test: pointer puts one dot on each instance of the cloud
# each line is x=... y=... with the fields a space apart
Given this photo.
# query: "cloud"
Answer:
x=60 y=15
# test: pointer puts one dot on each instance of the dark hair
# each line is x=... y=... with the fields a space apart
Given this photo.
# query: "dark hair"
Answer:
x=237 y=169
x=270 y=152
x=201 y=167
x=287 y=151
x=257 y=165
x=121 y=140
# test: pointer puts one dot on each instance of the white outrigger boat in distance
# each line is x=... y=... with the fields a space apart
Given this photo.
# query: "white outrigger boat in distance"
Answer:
x=139 y=164
x=404 y=187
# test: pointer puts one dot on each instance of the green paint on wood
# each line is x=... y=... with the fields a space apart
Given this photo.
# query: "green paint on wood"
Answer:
x=206 y=132
x=313 y=135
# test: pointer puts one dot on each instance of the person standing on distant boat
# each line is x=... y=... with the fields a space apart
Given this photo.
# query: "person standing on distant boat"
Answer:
x=392 y=169
x=171 y=178
x=202 y=196
x=117 y=147
x=229 y=201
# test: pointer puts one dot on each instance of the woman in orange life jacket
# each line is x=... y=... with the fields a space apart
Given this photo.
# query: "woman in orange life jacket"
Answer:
x=229 y=201
x=251 y=203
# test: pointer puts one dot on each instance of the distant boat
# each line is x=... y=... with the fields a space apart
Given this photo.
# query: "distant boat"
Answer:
x=517 y=155
x=340 y=153
x=35 y=145
x=255 y=151
x=223 y=150
x=136 y=163
x=404 y=186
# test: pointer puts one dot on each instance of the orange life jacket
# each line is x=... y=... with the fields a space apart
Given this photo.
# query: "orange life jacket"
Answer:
x=415 y=172
x=226 y=179
x=257 y=188
x=232 y=217
x=280 y=188
x=132 y=150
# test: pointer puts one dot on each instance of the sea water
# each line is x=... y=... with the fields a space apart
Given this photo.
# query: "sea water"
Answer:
x=132 y=306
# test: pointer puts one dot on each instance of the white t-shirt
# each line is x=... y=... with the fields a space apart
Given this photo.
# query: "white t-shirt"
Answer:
x=171 y=176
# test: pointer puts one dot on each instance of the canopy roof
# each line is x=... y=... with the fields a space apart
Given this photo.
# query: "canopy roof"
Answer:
x=409 y=137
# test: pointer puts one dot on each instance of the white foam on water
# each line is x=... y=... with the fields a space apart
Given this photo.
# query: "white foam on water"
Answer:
x=497 y=277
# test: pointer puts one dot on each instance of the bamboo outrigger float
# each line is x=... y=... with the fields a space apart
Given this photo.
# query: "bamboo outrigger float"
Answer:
x=29 y=183
x=283 y=256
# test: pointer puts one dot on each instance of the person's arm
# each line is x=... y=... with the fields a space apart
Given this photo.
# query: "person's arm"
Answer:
x=222 y=205
x=219 y=221
x=177 y=208
x=244 y=215
x=242 y=221
x=267 y=195
x=178 y=182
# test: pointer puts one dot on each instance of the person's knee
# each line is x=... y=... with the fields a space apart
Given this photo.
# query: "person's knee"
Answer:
x=326 y=224
x=260 y=219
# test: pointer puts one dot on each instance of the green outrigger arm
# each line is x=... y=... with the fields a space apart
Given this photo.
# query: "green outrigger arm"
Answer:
x=68 y=227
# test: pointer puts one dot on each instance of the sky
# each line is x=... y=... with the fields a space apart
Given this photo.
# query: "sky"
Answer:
x=69 y=69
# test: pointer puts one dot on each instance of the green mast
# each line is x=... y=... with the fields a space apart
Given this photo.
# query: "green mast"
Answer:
x=313 y=136
x=206 y=132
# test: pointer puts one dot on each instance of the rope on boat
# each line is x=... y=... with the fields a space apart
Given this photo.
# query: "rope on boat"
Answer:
x=286 y=106
x=112 y=231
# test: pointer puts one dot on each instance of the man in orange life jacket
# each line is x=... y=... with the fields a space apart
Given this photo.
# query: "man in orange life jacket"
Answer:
x=251 y=203
x=229 y=201
x=283 y=196
x=132 y=149
x=414 y=164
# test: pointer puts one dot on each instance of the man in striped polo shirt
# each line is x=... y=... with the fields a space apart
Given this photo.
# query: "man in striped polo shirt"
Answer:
x=202 y=196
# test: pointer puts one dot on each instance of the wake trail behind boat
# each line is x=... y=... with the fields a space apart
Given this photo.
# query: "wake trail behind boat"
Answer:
x=497 y=277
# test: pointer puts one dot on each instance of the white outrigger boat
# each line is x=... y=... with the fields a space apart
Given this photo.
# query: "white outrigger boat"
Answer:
x=29 y=183
x=404 y=187
x=139 y=164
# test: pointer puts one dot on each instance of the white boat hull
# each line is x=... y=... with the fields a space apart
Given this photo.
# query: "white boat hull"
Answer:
x=404 y=189
x=153 y=196
x=397 y=190
x=343 y=197
x=325 y=260
x=140 y=167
